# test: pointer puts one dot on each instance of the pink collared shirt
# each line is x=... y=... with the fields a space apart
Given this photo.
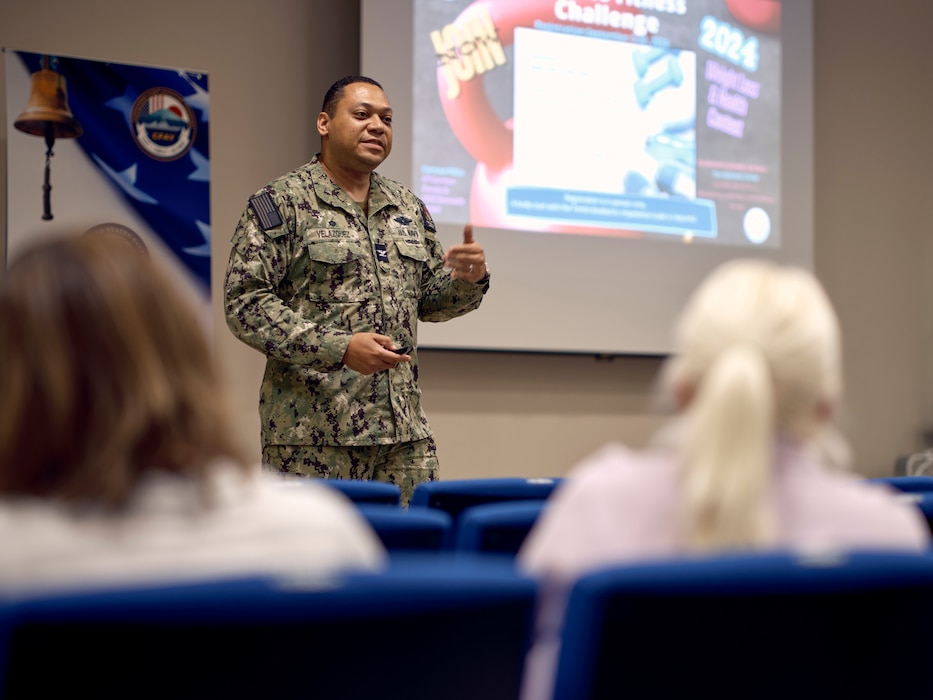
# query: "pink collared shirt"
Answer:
x=621 y=506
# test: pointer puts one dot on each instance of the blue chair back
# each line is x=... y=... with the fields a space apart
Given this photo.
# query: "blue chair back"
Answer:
x=759 y=626
x=907 y=484
x=360 y=491
x=406 y=530
x=497 y=528
x=422 y=629
x=456 y=495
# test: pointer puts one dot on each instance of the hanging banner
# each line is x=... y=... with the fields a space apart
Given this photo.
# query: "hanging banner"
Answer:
x=103 y=147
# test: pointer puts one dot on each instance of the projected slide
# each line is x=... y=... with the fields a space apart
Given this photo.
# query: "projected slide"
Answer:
x=652 y=119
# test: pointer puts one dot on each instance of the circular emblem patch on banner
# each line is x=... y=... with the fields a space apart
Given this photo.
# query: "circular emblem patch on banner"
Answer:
x=163 y=124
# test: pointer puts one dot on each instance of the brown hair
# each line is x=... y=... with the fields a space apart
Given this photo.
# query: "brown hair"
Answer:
x=106 y=375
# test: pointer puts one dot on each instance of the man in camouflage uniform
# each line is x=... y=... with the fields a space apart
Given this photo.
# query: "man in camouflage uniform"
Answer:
x=331 y=268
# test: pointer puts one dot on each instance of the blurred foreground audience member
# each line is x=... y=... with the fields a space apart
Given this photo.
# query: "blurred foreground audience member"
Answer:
x=751 y=463
x=118 y=461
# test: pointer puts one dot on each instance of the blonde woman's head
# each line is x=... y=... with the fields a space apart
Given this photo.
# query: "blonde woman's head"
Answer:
x=778 y=313
x=758 y=362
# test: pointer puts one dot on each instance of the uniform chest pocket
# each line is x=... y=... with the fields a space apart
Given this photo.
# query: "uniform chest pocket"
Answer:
x=333 y=270
x=334 y=252
x=412 y=256
x=413 y=251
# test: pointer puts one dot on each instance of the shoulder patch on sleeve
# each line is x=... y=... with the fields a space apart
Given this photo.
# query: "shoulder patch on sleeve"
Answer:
x=426 y=217
x=266 y=211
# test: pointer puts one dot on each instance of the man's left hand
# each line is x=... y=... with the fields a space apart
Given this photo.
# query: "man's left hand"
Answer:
x=466 y=261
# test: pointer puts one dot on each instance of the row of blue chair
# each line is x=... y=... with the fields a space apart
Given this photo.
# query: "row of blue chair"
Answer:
x=455 y=495
x=762 y=626
x=491 y=528
x=772 y=626
x=494 y=515
x=421 y=630
x=452 y=496
x=467 y=515
x=906 y=484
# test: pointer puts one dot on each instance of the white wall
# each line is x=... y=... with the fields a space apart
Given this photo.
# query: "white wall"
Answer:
x=874 y=220
x=506 y=414
x=269 y=64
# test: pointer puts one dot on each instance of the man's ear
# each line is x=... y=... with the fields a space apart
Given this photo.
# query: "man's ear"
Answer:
x=683 y=395
x=323 y=121
x=824 y=410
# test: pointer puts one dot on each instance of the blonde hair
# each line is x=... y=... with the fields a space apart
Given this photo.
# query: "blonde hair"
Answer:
x=106 y=375
x=759 y=356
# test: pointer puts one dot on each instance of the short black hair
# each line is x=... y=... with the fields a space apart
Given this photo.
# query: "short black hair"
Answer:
x=335 y=92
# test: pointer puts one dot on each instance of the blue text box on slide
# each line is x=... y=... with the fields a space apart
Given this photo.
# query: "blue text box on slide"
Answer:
x=654 y=214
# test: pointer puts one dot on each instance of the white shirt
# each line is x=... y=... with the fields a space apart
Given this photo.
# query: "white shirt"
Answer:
x=253 y=526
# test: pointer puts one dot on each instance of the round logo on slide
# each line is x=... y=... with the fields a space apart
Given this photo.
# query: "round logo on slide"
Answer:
x=757 y=225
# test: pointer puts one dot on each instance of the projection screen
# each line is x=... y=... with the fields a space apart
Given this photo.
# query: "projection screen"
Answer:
x=609 y=154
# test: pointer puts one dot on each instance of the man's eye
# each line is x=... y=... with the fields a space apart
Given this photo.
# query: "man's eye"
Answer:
x=387 y=120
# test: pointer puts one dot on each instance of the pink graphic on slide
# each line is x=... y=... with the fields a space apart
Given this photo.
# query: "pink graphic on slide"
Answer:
x=470 y=115
x=763 y=15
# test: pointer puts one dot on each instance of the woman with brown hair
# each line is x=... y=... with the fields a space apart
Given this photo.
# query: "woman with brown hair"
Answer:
x=118 y=460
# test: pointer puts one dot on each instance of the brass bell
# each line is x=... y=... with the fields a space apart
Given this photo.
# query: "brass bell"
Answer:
x=48 y=104
x=48 y=115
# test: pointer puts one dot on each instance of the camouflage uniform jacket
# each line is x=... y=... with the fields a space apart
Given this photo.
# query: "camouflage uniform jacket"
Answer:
x=298 y=291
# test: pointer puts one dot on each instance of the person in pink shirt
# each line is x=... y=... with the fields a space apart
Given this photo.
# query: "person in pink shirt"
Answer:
x=752 y=461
